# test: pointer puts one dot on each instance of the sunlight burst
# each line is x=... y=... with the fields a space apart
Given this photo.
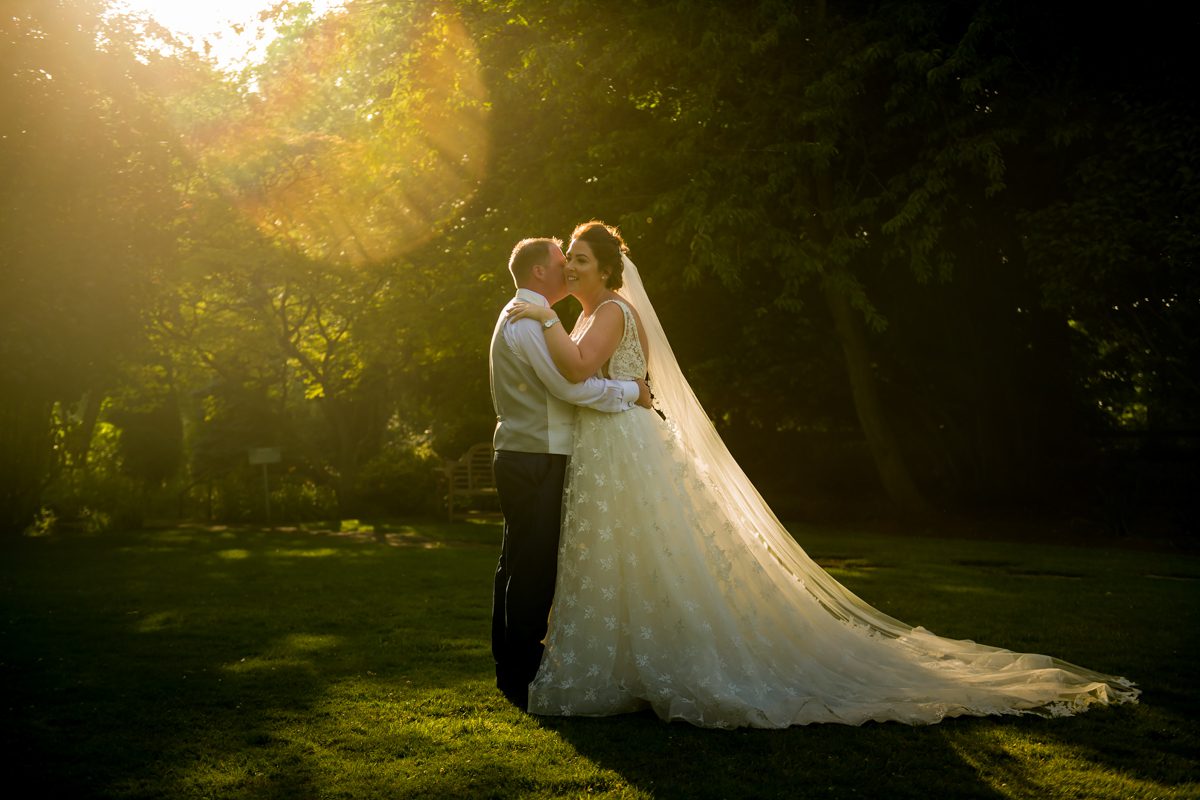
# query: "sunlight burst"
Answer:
x=228 y=31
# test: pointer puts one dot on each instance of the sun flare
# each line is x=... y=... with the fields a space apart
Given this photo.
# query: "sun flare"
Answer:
x=347 y=153
x=228 y=30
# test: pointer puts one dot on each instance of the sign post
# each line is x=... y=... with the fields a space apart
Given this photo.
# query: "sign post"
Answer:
x=264 y=456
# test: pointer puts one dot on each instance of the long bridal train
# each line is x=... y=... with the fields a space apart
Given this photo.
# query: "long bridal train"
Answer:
x=680 y=591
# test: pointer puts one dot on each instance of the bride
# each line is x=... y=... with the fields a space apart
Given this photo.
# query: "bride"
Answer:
x=679 y=590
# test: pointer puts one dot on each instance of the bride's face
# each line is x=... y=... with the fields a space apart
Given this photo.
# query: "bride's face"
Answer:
x=583 y=273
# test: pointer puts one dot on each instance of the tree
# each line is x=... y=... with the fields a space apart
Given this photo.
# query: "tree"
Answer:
x=86 y=220
x=341 y=155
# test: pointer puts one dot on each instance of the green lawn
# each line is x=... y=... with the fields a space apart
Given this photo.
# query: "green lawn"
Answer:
x=258 y=664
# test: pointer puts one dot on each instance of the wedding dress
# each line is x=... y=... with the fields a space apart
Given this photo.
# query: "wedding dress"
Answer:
x=679 y=590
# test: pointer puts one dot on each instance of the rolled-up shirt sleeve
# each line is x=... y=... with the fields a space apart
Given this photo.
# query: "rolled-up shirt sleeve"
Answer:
x=527 y=340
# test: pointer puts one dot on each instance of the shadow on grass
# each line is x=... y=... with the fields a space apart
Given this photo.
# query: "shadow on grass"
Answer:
x=191 y=661
x=677 y=760
x=961 y=758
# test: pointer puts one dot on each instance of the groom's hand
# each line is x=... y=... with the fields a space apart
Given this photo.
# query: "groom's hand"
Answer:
x=644 y=398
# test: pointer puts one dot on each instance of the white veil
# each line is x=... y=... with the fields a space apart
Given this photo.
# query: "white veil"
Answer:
x=676 y=400
x=756 y=526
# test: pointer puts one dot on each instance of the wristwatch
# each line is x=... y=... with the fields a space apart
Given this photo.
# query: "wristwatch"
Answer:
x=550 y=323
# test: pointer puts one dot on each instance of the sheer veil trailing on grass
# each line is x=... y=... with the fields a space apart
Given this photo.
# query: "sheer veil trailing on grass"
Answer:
x=679 y=589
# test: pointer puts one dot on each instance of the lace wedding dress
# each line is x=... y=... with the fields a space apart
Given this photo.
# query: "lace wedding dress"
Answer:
x=678 y=590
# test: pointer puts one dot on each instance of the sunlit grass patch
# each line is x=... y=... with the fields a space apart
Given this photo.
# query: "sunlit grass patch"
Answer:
x=234 y=555
x=158 y=621
x=1030 y=763
x=314 y=552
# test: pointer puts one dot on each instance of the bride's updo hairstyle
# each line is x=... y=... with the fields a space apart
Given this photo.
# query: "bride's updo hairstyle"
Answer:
x=608 y=246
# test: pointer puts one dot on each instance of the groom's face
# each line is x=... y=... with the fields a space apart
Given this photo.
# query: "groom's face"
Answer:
x=554 y=278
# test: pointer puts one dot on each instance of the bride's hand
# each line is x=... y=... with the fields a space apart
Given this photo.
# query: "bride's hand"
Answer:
x=521 y=310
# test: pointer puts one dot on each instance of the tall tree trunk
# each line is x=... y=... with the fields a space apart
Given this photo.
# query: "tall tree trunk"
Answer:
x=80 y=441
x=24 y=457
x=893 y=469
x=344 y=457
x=890 y=463
x=885 y=450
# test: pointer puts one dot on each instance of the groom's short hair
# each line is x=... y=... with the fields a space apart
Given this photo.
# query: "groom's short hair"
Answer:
x=528 y=253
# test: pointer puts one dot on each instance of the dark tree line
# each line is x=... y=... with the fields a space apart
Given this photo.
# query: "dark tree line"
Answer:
x=938 y=253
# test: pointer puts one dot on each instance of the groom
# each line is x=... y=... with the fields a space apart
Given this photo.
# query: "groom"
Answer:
x=534 y=410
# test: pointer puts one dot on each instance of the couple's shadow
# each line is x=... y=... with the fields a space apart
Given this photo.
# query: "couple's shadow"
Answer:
x=965 y=757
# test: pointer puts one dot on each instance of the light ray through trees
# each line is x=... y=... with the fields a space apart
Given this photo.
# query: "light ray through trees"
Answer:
x=352 y=154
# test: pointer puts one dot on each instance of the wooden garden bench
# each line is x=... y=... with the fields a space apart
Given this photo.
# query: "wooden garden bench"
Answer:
x=469 y=476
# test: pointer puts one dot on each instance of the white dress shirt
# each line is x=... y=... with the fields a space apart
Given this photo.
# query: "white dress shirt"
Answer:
x=535 y=404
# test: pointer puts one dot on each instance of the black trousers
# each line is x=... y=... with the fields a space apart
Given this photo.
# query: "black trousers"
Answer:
x=530 y=486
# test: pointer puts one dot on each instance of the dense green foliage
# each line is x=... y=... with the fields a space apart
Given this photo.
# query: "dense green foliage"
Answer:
x=198 y=662
x=939 y=253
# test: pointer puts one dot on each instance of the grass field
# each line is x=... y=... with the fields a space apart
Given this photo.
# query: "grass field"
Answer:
x=194 y=662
